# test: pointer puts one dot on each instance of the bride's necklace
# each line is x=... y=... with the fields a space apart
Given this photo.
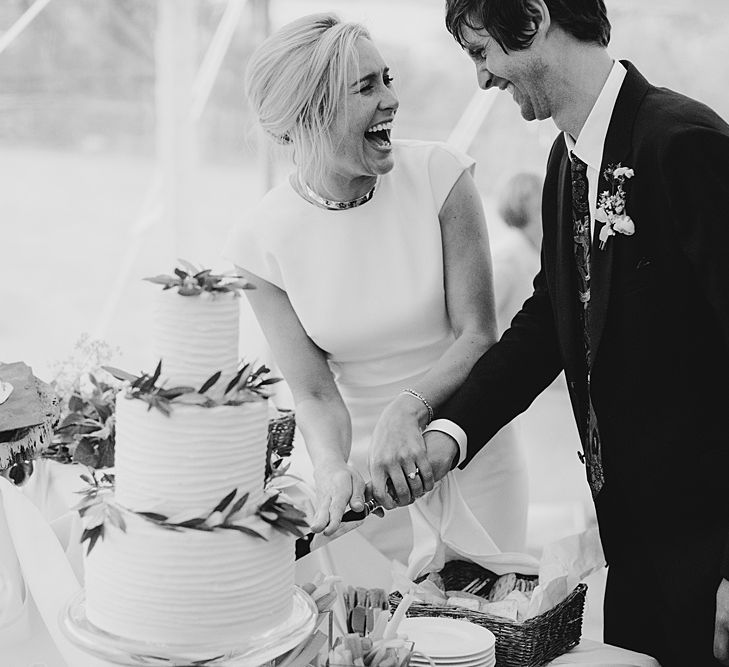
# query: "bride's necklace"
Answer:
x=333 y=205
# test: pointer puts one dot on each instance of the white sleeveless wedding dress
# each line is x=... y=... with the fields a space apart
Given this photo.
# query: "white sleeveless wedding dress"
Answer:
x=367 y=284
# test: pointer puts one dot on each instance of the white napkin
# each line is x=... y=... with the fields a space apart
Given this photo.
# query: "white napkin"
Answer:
x=53 y=489
x=565 y=563
x=442 y=519
x=45 y=568
x=14 y=620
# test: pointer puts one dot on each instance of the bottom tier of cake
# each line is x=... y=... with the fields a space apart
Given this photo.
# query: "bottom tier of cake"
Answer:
x=188 y=587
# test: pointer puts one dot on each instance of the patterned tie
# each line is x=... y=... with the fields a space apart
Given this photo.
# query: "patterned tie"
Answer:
x=582 y=243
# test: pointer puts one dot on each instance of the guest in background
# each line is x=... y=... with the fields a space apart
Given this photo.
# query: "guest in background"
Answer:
x=520 y=206
x=373 y=278
x=515 y=249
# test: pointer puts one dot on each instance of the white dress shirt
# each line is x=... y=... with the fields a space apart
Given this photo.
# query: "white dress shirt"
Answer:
x=588 y=147
x=591 y=142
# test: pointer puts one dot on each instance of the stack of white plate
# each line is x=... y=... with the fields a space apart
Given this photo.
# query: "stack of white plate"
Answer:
x=449 y=642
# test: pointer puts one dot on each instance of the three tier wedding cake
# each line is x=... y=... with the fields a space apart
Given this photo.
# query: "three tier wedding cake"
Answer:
x=185 y=546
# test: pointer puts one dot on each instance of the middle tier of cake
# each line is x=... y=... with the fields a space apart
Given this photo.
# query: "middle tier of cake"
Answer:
x=190 y=460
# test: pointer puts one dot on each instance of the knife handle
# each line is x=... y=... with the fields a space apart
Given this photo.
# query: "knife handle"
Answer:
x=371 y=506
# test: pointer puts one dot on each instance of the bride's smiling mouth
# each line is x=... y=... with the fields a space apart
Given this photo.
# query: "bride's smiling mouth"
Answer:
x=379 y=135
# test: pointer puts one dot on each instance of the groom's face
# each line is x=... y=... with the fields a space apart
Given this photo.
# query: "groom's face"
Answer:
x=521 y=73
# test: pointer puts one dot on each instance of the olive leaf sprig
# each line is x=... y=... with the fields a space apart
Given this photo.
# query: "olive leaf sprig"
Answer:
x=221 y=516
x=280 y=515
x=98 y=508
x=247 y=385
x=249 y=382
x=95 y=508
x=191 y=280
x=145 y=388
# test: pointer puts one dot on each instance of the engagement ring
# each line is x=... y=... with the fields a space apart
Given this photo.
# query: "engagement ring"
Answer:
x=414 y=473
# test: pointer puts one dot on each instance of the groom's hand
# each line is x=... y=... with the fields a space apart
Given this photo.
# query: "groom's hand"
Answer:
x=721 y=627
x=441 y=450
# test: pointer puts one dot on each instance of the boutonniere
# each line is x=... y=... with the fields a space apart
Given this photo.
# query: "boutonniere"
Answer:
x=611 y=205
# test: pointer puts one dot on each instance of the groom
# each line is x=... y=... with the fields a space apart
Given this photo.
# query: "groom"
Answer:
x=632 y=301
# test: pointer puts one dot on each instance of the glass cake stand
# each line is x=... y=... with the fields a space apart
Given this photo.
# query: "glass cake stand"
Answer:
x=253 y=651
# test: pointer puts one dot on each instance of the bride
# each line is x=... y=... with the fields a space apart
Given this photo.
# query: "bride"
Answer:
x=374 y=287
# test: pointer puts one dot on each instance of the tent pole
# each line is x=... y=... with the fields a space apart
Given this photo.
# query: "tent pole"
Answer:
x=176 y=64
x=260 y=29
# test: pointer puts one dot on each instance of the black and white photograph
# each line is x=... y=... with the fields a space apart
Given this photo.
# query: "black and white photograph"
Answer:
x=364 y=333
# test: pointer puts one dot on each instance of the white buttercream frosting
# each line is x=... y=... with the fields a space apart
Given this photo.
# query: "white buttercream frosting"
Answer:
x=195 y=336
x=189 y=587
x=191 y=459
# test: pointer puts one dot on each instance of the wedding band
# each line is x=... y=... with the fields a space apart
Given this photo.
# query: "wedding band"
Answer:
x=414 y=473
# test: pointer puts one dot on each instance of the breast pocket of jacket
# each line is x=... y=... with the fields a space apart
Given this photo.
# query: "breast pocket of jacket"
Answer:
x=639 y=275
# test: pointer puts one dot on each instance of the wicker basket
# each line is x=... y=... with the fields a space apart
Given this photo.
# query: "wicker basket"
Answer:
x=281 y=433
x=529 y=643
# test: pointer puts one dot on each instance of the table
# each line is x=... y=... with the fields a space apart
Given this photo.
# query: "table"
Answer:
x=360 y=564
x=41 y=569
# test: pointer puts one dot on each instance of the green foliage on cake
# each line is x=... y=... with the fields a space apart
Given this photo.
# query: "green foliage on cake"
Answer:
x=98 y=510
x=249 y=384
x=190 y=280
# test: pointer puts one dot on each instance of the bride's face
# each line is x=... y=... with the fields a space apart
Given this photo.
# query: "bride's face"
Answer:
x=361 y=132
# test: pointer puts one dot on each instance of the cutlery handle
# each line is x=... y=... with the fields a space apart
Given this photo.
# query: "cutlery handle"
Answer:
x=371 y=506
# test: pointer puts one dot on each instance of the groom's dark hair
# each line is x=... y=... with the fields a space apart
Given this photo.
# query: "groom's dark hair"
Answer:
x=511 y=22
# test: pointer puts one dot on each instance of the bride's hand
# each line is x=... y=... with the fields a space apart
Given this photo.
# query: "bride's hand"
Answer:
x=338 y=485
x=397 y=455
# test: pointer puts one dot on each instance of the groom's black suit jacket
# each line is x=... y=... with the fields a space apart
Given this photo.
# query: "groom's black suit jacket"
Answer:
x=659 y=329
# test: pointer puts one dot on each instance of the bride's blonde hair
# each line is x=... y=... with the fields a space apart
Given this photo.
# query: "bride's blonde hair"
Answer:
x=296 y=80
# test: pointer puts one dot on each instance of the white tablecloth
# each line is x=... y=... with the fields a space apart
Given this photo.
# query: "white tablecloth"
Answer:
x=41 y=569
x=593 y=653
x=40 y=564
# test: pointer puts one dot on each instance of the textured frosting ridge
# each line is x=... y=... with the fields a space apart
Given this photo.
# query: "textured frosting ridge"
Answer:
x=191 y=459
x=188 y=587
x=195 y=336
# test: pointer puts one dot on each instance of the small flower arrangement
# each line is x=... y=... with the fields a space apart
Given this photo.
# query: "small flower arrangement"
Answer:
x=86 y=393
x=191 y=280
x=611 y=205
x=86 y=431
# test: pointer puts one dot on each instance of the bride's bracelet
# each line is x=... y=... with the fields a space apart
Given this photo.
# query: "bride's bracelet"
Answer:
x=422 y=399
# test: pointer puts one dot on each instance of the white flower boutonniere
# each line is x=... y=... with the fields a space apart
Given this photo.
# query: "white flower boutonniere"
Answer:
x=611 y=205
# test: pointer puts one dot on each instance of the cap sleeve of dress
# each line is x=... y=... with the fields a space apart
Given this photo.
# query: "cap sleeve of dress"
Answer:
x=445 y=167
x=249 y=247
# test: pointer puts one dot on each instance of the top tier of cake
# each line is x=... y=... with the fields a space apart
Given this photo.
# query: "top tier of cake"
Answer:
x=195 y=336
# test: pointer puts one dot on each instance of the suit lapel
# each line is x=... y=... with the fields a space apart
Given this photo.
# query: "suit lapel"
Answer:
x=618 y=143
